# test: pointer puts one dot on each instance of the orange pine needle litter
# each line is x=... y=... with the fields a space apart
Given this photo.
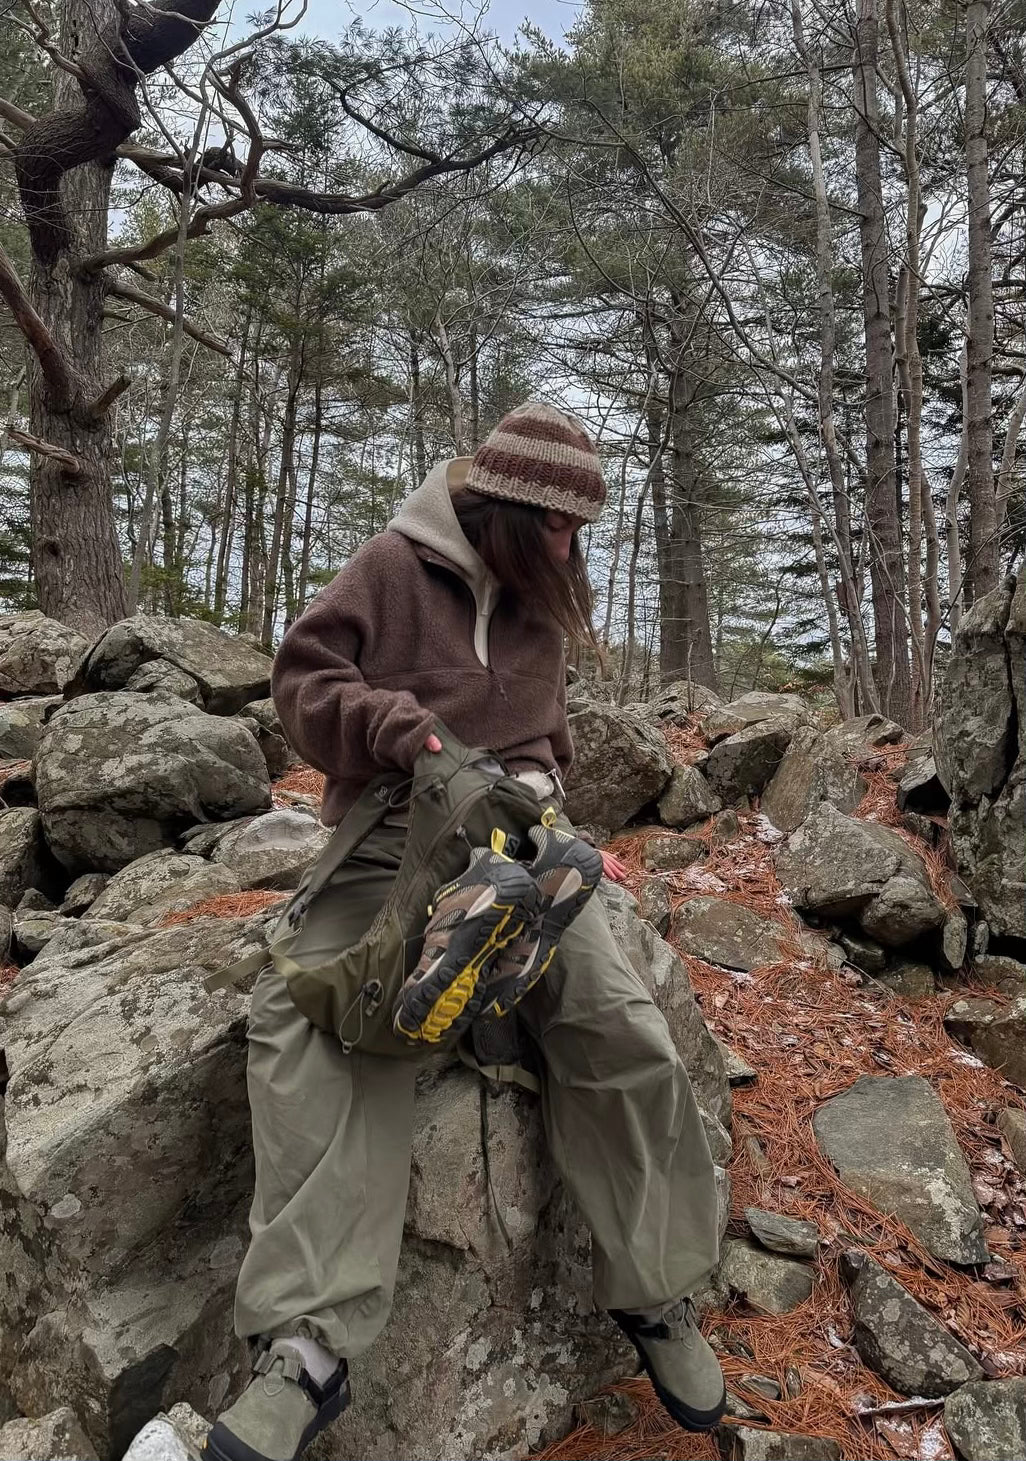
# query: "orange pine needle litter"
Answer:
x=303 y=779
x=810 y=1034
x=228 y=905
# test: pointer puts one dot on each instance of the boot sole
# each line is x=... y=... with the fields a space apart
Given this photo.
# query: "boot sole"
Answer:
x=221 y=1445
x=689 y=1419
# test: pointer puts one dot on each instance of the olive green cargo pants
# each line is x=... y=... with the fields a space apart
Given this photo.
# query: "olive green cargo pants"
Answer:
x=332 y=1135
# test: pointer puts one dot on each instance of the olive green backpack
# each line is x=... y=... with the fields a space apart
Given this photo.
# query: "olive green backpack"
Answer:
x=457 y=799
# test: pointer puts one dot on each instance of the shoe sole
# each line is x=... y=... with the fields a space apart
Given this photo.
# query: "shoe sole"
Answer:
x=689 y=1419
x=556 y=919
x=442 y=1003
x=221 y=1445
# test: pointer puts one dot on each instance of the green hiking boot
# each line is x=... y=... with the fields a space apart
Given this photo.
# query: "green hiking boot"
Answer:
x=684 y=1371
x=279 y=1412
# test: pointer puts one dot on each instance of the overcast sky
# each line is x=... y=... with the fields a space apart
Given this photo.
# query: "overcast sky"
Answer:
x=328 y=17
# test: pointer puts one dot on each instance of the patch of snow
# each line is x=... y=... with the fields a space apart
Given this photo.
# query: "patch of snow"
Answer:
x=765 y=830
x=964 y=1058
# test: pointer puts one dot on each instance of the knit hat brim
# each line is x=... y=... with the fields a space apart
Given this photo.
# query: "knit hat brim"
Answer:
x=541 y=457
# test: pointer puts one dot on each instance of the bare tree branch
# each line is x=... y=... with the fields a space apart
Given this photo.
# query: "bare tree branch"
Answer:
x=158 y=307
x=52 y=361
x=71 y=464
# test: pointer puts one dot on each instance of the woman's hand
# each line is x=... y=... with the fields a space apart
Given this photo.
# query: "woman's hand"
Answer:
x=613 y=868
x=432 y=744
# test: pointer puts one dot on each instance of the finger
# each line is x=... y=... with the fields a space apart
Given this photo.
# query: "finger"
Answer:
x=432 y=744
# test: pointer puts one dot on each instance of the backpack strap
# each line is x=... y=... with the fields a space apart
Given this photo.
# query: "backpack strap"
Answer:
x=511 y=1074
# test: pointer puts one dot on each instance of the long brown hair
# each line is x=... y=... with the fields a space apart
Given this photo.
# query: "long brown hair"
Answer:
x=510 y=537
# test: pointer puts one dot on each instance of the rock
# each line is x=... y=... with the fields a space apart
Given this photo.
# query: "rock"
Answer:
x=35 y=901
x=994 y=1032
x=782 y=1234
x=24 y=860
x=837 y=866
x=37 y=655
x=726 y=827
x=1012 y=1125
x=980 y=746
x=34 y=929
x=1001 y=973
x=228 y=673
x=821 y=768
x=920 y=789
x=908 y=980
x=739 y=1072
x=741 y=1443
x=771 y=1284
x=898 y=1338
x=621 y=764
x=666 y=979
x=725 y=933
x=160 y=883
x=740 y=1409
x=119 y=775
x=608 y=1414
x=920 y=745
x=177 y=1436
x=6 y=932
x=83 y=892
x=654 y=905
x=270 y=734
x=741 y=765
x=721 y=1148
x=954 y=940
x=986 y=1420
x=21 y=725
x=891 y=1142
x=56 y=1437
x=677 y=704
x=865 y=953
x=750 y=709
x=161 y=677
x=689 y=798
x=668 y=852
x=272 y=851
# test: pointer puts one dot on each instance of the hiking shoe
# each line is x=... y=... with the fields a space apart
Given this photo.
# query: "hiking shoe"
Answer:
x=471 y=920
x=682 y=1366
x=567 y=871
x=279 y=1412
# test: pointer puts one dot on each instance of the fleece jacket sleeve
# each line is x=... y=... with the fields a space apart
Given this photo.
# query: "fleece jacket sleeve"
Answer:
x=330 y=715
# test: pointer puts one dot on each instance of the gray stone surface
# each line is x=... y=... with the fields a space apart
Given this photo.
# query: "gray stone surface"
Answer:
x=898 y=1338
x=654 y=904
x=750 y=709
x=892 y=1143
x=177 y=1436
x=1001 y=973
x=865 y=953
x=954 y=940
x=822 y=767
x=272 y=851
x=980 y=744
x=1012 y=1125
x=995 y=1032
x=838 y=866
x=119 y=775
x=21 y=725
x=37 y=655
x=782 y=1234
x=160 y=883
x=921 y=790
x=688 y=799
x=228 y=672
x=741 y=765
x=83 y=892
x=161 y=677
x=54 y=1437
x=742 y=1443
x=270 y=733
x=768 y=1282
x=667 y=852
x=726 y=933
x=986 y=1420
x=908 y=979
x=677 y=704
x=24 y=861
x=621 y=764
x=739 y=1072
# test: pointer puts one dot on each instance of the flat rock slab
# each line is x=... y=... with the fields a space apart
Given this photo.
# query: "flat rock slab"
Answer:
x=995 y=1032
x=987 y=1420
x=741 y=765
x=742 y=1443
x=688 y=799
x=898 y=1338
x=770 y=1283
x=750 y=709
x=668 y=852
x=150 y=888
x=55 y=1437
x=891 y=1142
x=726 y=933
x=781 y=1234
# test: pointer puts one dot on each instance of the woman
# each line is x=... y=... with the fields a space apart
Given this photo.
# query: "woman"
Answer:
x=458 y=613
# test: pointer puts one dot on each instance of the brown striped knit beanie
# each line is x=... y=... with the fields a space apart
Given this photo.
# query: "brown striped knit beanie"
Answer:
x=540 y=456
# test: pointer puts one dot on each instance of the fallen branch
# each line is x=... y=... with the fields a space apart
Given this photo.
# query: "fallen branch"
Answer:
x=73 y=465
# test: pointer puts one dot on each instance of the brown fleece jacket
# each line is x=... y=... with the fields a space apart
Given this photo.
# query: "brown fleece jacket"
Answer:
x=389 y=645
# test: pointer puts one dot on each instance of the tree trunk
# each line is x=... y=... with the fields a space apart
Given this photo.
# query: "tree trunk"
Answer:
x=685 y=645
x=984 y=555
x=285 y=468
x=311 y=484
x=893 y=675
x=417 y=402
x=224 y=549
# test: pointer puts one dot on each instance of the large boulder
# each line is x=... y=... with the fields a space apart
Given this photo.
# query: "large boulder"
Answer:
x=987 y=1420
x=160 y=883
x=161 y=677
x=24 y=860
x=891 y=1142
x=726 y=933
x=898 y=1338
x=995 y=1032
x=21 y=725
x=838 y=866
x=676 y=705
x=119 y=775
x=272 y=851
x=740 y=765
x=980 y=748
x=54 y=1437
x=264 y=721
x=125 y=1181
x=687 y=799
x=227 y=672
x=37 y=655
x=621 y=763
x=824 y=768
x=750 y=709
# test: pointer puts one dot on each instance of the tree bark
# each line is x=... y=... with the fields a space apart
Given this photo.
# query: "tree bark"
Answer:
x=984 y=556
x=893 y=674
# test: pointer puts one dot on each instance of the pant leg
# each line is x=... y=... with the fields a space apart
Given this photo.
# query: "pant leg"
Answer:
x=332 y=1139
x=622 y=1121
